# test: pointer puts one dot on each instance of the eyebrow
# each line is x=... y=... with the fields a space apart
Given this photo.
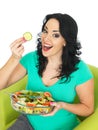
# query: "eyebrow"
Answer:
x=53 y=30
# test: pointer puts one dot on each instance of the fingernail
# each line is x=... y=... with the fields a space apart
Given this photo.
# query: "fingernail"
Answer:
x=52 y=103
x=24 y=39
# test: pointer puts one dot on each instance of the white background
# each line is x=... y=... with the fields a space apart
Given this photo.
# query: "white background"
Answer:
x=19 y=16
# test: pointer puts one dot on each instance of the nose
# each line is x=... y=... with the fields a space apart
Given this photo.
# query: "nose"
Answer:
x=47 y=37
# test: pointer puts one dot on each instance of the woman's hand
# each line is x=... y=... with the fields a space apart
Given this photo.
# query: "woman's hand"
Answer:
x=17 y=48
x=57 y=106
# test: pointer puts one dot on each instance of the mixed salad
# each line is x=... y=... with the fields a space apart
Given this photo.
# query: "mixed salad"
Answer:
x=29 y=102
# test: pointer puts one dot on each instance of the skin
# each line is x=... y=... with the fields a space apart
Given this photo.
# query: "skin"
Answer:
x=51 y=37
x=13 y=71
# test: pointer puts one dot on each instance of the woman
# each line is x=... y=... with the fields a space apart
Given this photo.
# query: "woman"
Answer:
x=55 y=67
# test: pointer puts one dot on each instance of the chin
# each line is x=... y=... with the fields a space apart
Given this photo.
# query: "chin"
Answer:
x=45 y=54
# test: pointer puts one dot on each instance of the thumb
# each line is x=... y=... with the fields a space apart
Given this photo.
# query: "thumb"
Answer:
x=53 y=104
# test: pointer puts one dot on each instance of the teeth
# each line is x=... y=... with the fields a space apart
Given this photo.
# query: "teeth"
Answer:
x=47 y=45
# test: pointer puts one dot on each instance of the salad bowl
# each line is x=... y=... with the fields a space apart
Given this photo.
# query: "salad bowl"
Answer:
x=29 y=102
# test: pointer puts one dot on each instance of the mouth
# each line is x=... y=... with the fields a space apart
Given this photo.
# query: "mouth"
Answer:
x=46 y=47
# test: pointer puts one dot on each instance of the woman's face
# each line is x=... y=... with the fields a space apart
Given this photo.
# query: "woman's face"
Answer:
x=52 y=41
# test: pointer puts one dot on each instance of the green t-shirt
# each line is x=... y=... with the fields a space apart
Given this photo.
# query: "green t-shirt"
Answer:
x=61 y=91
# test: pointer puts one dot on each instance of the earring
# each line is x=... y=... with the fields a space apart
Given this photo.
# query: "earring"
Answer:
x=64 y=45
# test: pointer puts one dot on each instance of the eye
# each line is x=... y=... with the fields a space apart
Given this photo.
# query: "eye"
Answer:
x=56 y=35
x=44 y=31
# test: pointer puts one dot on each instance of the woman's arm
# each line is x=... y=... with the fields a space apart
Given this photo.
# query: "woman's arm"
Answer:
x=12 y=71
x=85 y=92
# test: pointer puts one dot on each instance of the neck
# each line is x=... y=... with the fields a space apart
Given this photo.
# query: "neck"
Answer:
x=54 y=61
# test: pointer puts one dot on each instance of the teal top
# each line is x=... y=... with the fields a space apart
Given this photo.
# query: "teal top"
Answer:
x=61 y=91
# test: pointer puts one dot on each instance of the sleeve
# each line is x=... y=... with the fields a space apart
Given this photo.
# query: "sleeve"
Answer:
x=24 y=61
x=28 y=60
x=83 y=74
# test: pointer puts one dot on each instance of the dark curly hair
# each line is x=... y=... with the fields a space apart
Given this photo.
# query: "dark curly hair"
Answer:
x=70 y=56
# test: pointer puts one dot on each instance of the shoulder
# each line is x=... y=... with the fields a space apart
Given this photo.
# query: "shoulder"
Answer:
x=83 y=72
x=82 y=66
x=81 y=63
x=29 y=59
x=31 y=54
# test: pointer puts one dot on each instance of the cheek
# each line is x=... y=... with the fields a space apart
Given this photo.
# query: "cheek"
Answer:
x=60 y=45
x=58 y=48
x=41 y=39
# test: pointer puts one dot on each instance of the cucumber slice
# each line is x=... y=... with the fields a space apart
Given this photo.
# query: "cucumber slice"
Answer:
x=27 y=36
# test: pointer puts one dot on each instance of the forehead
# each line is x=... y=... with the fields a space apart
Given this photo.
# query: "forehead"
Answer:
x=52 y=23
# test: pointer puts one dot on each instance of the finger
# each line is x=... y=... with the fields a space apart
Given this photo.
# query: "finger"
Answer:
x=21 y=51
x=55 y=109
x=51 y=113
x=16 y=47
x=17 y=53
x=18 y=42
x=53 y=104
x=17 y=50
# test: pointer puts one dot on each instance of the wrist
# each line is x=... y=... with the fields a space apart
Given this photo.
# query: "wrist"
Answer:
x=13 y=60
x=63 y=105
x=15 y=57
